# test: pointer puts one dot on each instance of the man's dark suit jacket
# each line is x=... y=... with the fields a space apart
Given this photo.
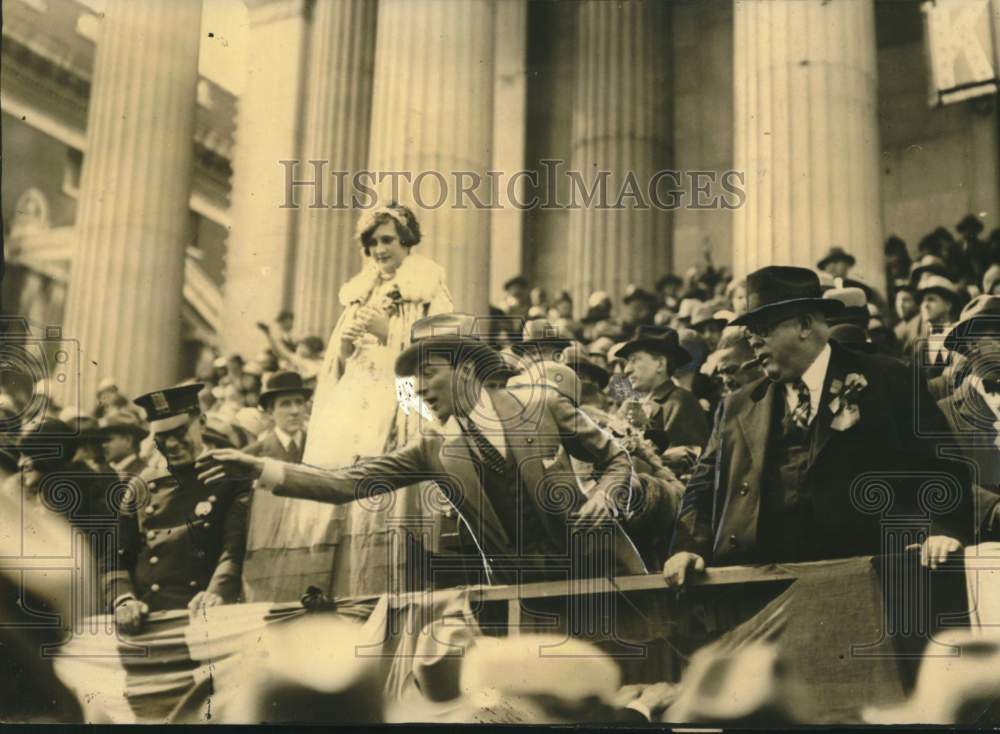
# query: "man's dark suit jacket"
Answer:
x=269 y=446
x=535 y=424
x=678 y=420
x=975 y=436
x=847 y=475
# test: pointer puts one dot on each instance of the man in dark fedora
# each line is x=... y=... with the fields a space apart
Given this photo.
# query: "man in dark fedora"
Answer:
x=490 y=454
x=284 y=399
x=794 y=456
x=837 y=262
x=671 y=415
x=973 y=410
x=122 y=432
x=180 y=543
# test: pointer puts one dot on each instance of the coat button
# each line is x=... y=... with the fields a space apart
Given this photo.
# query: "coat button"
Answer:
x=150 y=509
x=530 y=439
x=150 y=534
x=211 y=498
x=193 y=584
x=208 y=524
x=121 y=551
x=732 y=541
x=153 y=560
x=154 y=587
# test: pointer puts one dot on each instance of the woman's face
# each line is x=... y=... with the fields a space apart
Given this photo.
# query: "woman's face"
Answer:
x=386 y=249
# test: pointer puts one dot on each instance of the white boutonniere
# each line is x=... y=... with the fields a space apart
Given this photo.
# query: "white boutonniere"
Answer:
x=844 y=404
x=202 y=508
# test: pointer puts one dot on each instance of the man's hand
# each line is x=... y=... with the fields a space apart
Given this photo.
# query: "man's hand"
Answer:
x=935 y=550
x=596 y=511
x=204 y=599
x=129 y=615
x=679 y=567
x=224 y=465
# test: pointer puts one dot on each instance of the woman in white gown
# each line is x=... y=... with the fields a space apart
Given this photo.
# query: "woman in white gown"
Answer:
x=360 y=409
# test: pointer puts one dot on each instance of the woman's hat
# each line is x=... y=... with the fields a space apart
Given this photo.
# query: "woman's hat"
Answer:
x=542 y=332
x=836 y=254
x=283 y=383
x=655 y=340
x=784 y=290
x=979 y=319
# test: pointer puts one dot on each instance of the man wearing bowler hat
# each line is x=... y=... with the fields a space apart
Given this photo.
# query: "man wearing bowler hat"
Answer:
x=670 y=414
x=795 y=456
x=491 y=456
x=973 y=410
x=180 y=543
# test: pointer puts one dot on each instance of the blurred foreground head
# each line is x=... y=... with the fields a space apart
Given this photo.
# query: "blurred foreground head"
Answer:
x=311 y=669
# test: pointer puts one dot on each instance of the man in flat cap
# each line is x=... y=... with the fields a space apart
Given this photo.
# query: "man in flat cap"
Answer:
x=180 y=543
x=795 y=456
x=490 y=455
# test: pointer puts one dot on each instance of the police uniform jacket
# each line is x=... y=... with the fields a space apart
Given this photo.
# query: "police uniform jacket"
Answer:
x=177 y=537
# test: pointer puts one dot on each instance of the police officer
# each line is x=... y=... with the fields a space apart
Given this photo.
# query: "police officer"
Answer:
x=179 y=543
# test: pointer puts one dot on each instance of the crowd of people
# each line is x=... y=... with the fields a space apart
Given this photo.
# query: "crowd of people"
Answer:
x=707 y=421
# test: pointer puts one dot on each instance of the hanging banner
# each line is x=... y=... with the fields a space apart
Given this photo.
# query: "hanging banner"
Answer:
x=962 y=49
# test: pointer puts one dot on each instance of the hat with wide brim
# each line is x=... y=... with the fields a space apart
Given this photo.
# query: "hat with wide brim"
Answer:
x=928 y=264
x=852 y=337
x=541 y=333
x=283 y=383
x=655 y=340
x=979 y=319
x=939 y=284
x=453 y=336
x=836 y=254
x=576 y=359
x=784 y=290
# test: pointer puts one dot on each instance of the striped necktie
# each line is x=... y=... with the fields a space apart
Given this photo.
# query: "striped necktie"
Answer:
x=494 y=461
x=803 y=411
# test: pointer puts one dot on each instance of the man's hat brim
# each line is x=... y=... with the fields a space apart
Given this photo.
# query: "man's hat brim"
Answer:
x=593 y=372
x=949 y=295
x=829 y=307
x=556 y=342
x=834 y=257
x=466 y=347
x=677 y=355
x=268 y=395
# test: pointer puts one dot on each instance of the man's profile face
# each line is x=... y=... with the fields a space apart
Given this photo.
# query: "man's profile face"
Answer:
x=288 y=411
x=437 y=386
x=777 y=346
x=935 y=308
x=732 y=370
x=645 y=371
x=181 y=446
x=906 y=305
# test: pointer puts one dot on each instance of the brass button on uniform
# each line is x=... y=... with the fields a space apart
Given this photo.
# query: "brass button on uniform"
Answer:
x=530 y=439
x=150 y=509
x=150 y=534
x=193 y=584
x=154 y=587
x=208 y=524
x=153 y=560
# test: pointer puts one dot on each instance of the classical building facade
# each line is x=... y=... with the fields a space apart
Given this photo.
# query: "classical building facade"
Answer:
x=143 y=211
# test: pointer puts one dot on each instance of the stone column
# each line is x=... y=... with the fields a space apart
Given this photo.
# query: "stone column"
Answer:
x=509 y=134
x=806 y=134
x=621 y=125
x=260 y=248
x=432 y=116
x=125 y=292
x=336 y=123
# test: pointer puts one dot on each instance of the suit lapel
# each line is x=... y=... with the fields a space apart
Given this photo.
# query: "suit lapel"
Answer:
x=461 y=461
x=836 y=372
x=756 y=421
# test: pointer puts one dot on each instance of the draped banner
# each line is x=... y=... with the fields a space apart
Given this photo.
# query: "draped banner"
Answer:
x=962 y=43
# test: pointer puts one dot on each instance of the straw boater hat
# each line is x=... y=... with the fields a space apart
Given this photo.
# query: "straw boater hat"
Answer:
x=542 y=333
x=783 y=291
x=124 y=422
x=705 y=316
x=944 y=287
x=855 y=306
x=576 y=359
